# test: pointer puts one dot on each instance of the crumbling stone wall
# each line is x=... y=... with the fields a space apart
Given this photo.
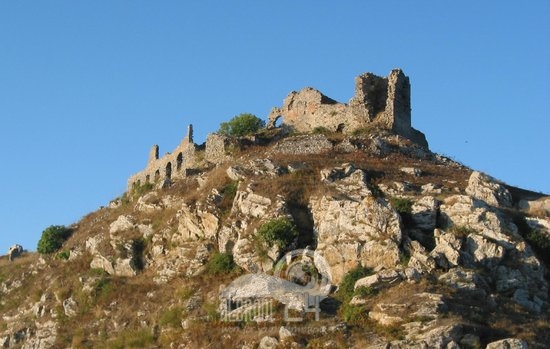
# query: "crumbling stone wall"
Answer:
x=306 y=144
x=216 y=148
x=382 y=102
x=184 y=159
x=170 y=166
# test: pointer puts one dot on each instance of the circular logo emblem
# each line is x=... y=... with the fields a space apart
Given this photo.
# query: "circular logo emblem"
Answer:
x=306 y=268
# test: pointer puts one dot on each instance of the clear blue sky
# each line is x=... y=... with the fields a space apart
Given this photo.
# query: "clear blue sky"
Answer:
x=86 y=87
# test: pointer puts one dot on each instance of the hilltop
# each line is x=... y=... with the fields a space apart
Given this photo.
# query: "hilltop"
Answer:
x=403 y=247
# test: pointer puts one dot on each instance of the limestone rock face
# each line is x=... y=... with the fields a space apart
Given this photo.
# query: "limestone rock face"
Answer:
x=490 y=238
x=487 y=189
x=354 y=228
x=197 y=223
x=447 y=249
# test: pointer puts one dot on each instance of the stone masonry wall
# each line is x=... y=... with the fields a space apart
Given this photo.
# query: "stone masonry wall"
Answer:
x=170 y=166
x=382 y=102
x=183 y=159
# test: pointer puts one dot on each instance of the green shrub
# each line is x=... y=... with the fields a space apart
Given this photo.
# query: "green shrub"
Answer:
x=53 y=238
x=228 y=194
x=221 y=263
x=280 y=232
x=402 y=205
x=364 y=291
x=241 y=125
x=352 y=314
x=320 y=130
x=349 y=313
x=346 y=289
x=64 y=255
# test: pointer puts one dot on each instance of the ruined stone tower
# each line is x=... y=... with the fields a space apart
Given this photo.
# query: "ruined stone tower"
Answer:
x=381 y=102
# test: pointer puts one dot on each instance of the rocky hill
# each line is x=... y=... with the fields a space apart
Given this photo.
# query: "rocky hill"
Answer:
x=328 y=238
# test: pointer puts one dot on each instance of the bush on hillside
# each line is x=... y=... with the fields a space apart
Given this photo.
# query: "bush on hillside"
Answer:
x=241 y=125
x=53 y=238
x=280 y=232
x=221 y=263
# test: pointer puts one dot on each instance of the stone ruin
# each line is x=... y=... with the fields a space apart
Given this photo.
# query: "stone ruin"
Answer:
x=379 y=102
x=182 y=161
x=170 y=166
x=14 y=252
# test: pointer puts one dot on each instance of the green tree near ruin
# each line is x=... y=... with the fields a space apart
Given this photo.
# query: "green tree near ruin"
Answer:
x=241 y=125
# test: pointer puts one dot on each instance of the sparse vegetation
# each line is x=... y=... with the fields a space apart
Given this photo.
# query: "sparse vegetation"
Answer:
x=346 y=289
x=172 y=317
x=280 y=232
x=320 y=130
x=221 y=263
x=241 y=125
x=132 y=338
x=365 y=291
x=403 y=206
x=139 y=189
x=350 y=313
x=53 y=238
x=64 y=255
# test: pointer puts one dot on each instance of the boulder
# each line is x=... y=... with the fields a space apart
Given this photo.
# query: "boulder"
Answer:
x=489 y=190
x=122 y=223
x=251 y=204
x=268 y=343
x=70 y=307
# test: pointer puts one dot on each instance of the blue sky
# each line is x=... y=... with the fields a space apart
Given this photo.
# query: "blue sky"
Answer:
x=86 y=87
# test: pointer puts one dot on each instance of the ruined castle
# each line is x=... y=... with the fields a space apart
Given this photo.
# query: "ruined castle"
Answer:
x=379 y=102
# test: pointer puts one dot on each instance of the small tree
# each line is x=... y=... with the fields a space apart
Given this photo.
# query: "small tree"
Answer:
x=241 y=125
x=53 y=238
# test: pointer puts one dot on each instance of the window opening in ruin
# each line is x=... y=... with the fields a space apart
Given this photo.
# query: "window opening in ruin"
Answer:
x=157 y=175
x=147 y=179
x=278 y=121
x=179 y=161
x=169 y=170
